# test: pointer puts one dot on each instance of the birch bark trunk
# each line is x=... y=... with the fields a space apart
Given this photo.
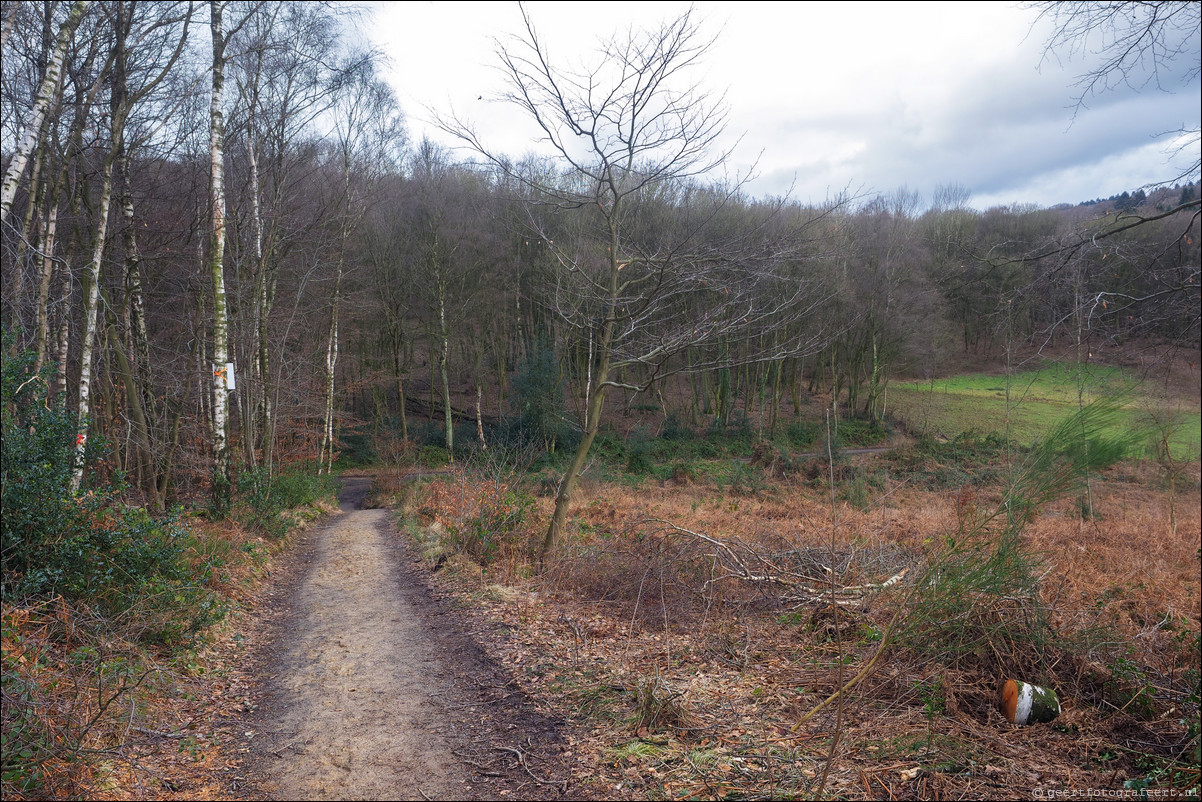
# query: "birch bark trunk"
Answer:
x=262 y=414
x=221 y=454
x=326 y=456
x=91 y=323
x=43 y=309
x=31 y=132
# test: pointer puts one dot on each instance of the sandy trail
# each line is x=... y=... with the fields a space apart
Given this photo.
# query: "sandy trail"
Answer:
x=370 y=686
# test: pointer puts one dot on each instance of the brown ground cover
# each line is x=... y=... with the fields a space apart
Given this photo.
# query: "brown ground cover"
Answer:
x=667 y=682
x=682 y=687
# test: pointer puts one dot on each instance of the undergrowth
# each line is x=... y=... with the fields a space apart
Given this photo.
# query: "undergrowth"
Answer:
x=271 y=502
x=971 y=458
x=652 y=618
x=103 y=603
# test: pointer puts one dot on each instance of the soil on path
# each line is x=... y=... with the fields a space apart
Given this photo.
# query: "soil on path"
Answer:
x=373 y=688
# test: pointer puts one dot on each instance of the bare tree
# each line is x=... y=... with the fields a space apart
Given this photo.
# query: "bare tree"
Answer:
x=383 y=247
x=895 y=302
x=10 y=21
x=217 y=237
x=283 y=63
x=1137 y=45
x=649 y=271
x=124 y=22
x=367 y=122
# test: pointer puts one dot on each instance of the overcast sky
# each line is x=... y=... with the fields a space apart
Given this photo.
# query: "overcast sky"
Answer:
x=828 y=96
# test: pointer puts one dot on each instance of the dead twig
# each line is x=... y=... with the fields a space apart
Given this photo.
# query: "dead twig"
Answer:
x=485 y=771
x=577 y=638
x=159 y=733
x=740 y=561
x=521 y=758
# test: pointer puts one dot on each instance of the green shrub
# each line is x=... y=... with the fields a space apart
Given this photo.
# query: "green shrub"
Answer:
x=638 y=463
x=683 y=471
x=537 y=400
x=742 y=479
x=860 y=433
x=356 y=449
x=856 y=493
x=610 y=448
x=804 y=434
x=639 y=458
x=265 y=496
x=428 y=433
x=971 y=459
x=88 y=544
x=432 y=457
x=674 y=429
x=25 y=742
x=979 y=601
x=299 y=488
x=38 y=503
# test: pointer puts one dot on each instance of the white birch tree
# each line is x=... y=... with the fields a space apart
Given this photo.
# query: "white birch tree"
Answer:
x=220 y=383
x=31 y=132
x=121 y=20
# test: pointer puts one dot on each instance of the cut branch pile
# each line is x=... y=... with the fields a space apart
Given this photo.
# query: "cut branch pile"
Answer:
x=734 y=559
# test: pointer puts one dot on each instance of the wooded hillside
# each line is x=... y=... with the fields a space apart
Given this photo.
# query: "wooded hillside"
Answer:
x=226 y=255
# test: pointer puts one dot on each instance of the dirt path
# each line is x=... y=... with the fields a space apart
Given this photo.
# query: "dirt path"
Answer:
x=372 y=688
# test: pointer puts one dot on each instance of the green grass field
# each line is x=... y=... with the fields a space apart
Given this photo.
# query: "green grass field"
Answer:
x=1038 y=399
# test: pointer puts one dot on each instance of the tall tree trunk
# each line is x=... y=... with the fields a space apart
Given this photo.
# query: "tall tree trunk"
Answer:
x=777 y=374
x=91 y=321
x=148 y=481
x=326 y=455
x=43 y=306
x=133 y=364
x=480 y=396
x=445 y=338
x=15 y=292
x=396 y=337
x=10 y=22
x=876 y=378
x=567 y=485
x=63 y=336
x=592 y=418
x=262 y=361
x=32 y=129
x=118 y=111
x=257 y=388
x=221 y=454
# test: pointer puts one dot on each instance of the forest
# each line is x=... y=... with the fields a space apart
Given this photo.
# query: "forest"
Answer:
x=229 y=274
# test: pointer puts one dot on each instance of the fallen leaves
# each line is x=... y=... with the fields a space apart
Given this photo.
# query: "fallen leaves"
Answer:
x=583 y=656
